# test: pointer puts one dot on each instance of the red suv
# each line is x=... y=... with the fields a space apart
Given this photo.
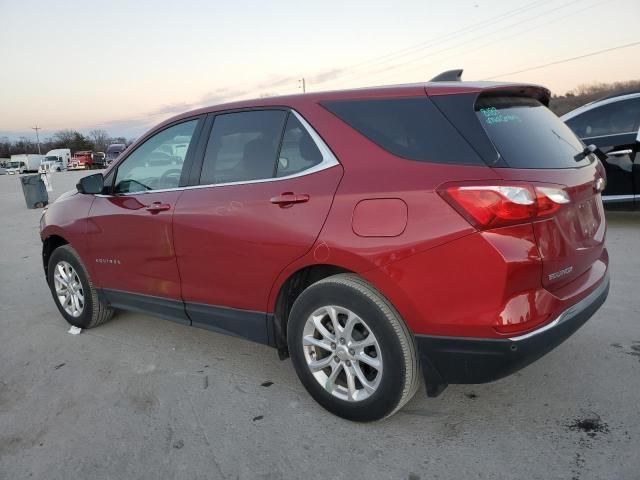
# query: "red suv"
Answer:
x=452 y=231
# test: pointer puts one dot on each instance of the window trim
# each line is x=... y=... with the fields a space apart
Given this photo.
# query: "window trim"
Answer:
x=328 y=158
x=207 y=138
x=634 y=132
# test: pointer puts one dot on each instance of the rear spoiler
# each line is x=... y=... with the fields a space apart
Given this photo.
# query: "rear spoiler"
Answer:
x=538 y=92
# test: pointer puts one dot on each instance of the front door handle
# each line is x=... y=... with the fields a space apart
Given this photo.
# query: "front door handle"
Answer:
x=156 y=207
x=289 y=198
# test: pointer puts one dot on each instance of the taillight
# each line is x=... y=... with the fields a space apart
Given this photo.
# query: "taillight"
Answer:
x=490 y=206
x=550 y=199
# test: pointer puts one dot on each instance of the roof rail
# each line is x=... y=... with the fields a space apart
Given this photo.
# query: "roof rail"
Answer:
x=448 y=76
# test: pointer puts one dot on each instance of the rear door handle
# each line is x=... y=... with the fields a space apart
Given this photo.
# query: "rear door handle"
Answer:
x=156 y=207
x=289 y=198
x=619 y=153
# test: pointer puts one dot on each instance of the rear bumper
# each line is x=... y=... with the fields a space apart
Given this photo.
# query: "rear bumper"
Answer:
x=450 y=360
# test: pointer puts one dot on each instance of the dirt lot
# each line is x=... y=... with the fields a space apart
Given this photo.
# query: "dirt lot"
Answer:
x=145 y=398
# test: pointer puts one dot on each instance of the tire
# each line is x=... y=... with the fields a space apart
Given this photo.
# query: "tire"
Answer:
x=344 y=297
x=94 y=310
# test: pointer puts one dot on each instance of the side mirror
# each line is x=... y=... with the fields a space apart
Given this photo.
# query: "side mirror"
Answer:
x=91 y=184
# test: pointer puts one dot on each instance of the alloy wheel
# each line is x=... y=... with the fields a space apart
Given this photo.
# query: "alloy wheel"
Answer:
x=342 y=353
x=68 y=289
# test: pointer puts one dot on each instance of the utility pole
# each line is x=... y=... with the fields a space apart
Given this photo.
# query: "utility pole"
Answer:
x=303 y=85
x=36 y=128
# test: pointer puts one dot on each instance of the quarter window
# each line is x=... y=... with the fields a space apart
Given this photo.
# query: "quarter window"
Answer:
x=243 y=146
x=298 y=152
x=412 y=128
x=157 y=163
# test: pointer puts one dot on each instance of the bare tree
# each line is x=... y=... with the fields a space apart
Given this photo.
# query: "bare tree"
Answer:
x=64 y=137
x=71 y=139
x=100 y=139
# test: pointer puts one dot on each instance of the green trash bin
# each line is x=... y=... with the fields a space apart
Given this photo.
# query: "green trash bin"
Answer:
x=35 y=191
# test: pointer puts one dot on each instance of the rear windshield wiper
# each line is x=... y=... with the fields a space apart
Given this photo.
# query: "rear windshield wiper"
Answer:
x=588 y=150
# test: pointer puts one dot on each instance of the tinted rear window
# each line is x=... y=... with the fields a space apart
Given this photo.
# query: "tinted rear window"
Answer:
x=411 y=128
x=527 y=134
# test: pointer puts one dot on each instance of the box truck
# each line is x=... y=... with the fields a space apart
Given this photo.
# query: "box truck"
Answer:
x=31 y=161
x=14 y=168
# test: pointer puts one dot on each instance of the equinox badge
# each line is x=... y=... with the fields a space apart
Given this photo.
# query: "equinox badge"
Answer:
x=561 y=273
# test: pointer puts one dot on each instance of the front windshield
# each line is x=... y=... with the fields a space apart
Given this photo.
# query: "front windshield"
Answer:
x=13 y=165
x=51 y=159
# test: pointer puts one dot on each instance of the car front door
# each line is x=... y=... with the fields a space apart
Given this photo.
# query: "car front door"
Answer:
x=265 y=189
x=130 y=232
x=613 y=128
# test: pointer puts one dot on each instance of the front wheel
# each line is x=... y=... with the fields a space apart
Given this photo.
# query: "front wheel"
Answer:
x=351 y=349
x=72 y=290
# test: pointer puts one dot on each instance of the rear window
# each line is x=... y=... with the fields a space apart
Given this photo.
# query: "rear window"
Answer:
x=527 y=134
x=412 y=128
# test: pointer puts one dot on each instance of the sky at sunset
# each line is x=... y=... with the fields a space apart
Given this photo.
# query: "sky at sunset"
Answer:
x=125 y=66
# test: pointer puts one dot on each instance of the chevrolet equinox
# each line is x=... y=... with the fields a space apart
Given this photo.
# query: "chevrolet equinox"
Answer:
x=448 y=231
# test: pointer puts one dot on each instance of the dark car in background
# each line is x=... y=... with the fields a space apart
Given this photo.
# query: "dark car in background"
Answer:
x=612 y=124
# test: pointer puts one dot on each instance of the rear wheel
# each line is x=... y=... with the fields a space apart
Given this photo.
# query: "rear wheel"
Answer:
x=351 y=350
x=72 y=290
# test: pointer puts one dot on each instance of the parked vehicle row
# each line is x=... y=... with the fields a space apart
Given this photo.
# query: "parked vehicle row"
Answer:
x=449 y=231
x=60 y=159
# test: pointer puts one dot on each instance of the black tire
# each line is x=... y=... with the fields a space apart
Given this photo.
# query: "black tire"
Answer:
x=95 y=311
x=400 y=374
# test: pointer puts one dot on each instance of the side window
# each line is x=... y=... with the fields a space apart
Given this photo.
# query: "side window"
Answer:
x=611 y=119
x=298 y=152
x=157 y=163
x=243 y=146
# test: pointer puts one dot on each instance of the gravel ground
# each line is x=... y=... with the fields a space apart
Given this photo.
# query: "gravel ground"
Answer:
x=145 y=398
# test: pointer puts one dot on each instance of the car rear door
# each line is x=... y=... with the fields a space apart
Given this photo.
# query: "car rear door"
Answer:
x=130 y=230
x=265 y=188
